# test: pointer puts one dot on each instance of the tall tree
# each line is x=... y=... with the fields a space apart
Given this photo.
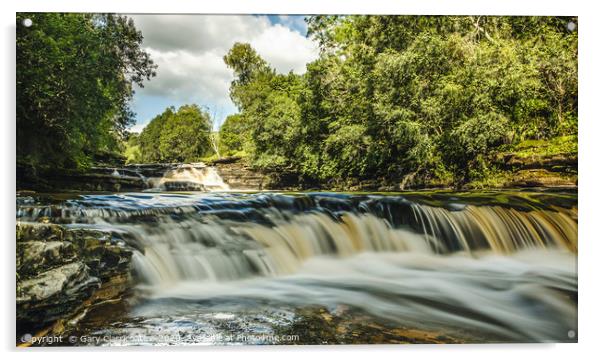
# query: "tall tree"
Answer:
x=391 y=96
x=177 y=136
x=75 y=77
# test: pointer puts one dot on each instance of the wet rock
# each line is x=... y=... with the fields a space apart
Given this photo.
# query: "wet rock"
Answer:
x=94 y=179
x=240 y=176
x=84 y=238
x=55 y=293
x=106 y=261
x=541 y=178
x=183 y=186
x=61 y=272
x=100 y=252
x=33 y=256
x=39 y=231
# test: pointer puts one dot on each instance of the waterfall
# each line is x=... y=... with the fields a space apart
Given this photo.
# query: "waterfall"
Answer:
x=183 y=238
x=196 y=177
x=503 y=267
x=223 y=250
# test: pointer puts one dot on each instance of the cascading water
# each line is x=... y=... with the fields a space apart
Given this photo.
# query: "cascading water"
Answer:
x=196 y=177
x=502 y=265
x=191 y=177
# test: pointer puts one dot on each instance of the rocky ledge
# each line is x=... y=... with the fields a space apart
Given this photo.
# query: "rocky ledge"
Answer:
x=239 y=175
x=62 y=273
x=558 y=170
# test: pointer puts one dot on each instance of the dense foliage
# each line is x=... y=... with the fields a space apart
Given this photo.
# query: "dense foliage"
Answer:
x=75 y=74
x=174 y=136
x=234 y=137
x=391 y=96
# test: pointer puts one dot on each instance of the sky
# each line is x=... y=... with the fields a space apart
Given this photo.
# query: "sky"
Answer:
x=189 y=51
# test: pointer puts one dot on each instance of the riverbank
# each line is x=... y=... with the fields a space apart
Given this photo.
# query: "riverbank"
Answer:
x=510 y=170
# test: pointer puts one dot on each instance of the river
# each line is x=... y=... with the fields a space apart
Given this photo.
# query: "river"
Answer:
x=231 y=267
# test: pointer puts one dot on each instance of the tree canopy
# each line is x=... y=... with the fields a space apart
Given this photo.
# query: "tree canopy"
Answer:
x=75 y=77
x=388 y=97
x=176 y=136
x=395 y=95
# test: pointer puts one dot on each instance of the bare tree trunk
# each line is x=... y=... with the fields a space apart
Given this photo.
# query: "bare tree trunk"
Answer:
x=479 y=29
x=215 y=143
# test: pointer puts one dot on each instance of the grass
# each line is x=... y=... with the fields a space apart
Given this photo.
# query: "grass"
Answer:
x=555 y=146
x=213 y=157
x=492 y=179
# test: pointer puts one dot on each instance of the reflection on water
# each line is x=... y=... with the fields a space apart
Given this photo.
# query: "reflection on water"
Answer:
x=500 y=267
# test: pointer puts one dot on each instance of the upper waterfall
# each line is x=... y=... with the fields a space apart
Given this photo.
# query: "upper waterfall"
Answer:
x=196 y=176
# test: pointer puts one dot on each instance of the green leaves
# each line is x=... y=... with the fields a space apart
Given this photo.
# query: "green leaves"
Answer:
x=74 y=83
x=177 y=136
x=234 y=135
x=393 y=95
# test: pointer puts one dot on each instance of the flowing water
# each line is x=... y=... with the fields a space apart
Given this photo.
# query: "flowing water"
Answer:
x=189 y=177
x=498 y=266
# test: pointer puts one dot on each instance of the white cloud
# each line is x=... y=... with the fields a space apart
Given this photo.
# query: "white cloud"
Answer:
x=189 y=51
x=137 y=128
x=294 y=22
x=284 y=48
x=187 y=76
x=197 y=33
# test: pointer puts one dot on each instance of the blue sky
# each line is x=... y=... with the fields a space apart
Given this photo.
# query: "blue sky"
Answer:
x=189 y=48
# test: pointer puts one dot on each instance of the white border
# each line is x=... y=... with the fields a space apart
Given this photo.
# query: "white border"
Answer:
x=435 y=7
x=590 y=123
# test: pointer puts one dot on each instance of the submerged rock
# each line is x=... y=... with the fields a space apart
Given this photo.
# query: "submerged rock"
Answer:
x=343 y=325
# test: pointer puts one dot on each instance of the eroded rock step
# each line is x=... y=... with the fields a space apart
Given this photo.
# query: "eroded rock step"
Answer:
x=63 y=272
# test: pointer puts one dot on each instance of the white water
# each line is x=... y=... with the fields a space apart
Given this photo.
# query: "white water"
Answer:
x=492 y=271
x=217 y=249
x=516 y=288
x=206 y=177
x=513 y=298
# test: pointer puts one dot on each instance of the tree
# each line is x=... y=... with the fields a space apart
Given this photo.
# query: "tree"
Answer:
x=392 y=96
x=466 y=145
x=150 y=138
x=269 y=108
x=233 y=135
x=75 y=77
x=186 y=135
x=177 y=136
x=131 y=150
